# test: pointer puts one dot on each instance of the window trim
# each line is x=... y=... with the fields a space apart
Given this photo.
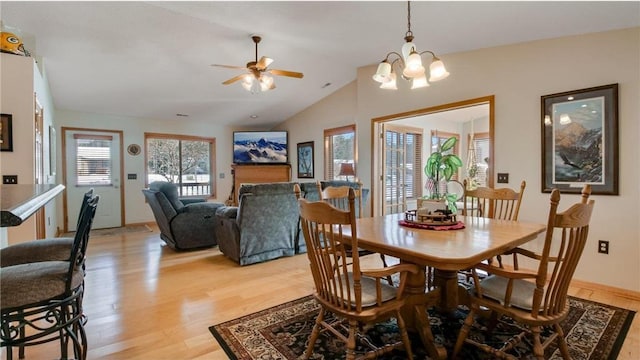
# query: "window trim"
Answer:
x=328 y=158
x=212 y=157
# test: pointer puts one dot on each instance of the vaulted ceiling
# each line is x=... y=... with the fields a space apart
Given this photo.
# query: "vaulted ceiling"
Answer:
x=152 y=59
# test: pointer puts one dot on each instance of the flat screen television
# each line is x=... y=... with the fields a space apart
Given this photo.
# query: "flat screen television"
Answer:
x=260 y=147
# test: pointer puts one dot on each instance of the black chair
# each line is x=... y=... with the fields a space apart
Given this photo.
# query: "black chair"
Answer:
x=50 y=249
x=42 y=301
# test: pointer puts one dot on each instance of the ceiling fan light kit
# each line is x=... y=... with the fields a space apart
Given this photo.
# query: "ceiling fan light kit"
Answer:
x=258 y=77
x=410 y=63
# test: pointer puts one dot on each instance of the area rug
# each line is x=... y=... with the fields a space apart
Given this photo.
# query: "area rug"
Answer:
x=593 y=331
x=114 y=231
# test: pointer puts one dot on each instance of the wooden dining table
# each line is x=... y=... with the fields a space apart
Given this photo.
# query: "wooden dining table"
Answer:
x=447 y=251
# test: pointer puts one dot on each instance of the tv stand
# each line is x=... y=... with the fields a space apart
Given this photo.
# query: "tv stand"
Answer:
x=255 y=174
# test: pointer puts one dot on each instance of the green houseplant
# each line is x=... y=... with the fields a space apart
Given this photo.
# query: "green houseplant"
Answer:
x=439 y=168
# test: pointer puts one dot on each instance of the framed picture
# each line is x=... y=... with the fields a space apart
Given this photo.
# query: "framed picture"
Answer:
x=305 y=159
x=580 y=140
x=6 y=132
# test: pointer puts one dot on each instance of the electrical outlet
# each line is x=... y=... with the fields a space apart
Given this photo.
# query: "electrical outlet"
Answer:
x=603 y=247
x=9 y=179
x=503 y=178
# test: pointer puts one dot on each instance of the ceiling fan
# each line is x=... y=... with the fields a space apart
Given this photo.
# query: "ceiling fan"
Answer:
x=258 y=76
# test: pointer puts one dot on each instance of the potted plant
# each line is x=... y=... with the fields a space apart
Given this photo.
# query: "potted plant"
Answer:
x=439 y=169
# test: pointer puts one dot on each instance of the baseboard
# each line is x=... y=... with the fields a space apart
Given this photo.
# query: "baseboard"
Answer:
x=629 y=294
x=146 y=223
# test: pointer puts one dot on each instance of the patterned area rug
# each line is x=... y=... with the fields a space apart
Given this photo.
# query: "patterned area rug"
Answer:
x=593 y=331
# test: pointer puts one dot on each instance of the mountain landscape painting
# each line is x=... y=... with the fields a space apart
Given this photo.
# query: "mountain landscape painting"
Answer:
x=578 y=141
x=260 y=147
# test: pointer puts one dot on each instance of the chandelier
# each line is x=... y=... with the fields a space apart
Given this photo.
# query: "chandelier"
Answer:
x=410 y=63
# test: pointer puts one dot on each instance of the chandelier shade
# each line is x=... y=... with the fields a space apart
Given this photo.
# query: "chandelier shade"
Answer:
x=419 y=82
x=410 y=63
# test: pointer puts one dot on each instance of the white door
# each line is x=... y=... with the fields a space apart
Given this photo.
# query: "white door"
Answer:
x=93 y=160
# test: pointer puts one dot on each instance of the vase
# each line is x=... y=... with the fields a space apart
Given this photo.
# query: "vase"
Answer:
x=436 y=189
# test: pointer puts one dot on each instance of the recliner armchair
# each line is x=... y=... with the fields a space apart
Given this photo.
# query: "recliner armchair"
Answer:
x=263 y=227
x=185 y=223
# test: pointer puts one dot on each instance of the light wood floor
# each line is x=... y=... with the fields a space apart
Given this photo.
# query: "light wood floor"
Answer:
x=146 y=301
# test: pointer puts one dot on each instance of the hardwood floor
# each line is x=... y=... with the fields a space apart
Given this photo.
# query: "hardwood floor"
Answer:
x=146 y=301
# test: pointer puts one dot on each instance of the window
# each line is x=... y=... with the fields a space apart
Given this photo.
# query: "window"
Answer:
x=339 y=148
x=93 y=159
x=187 y=161
x=481 y=146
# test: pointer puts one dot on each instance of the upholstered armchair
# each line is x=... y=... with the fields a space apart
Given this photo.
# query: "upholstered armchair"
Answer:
x=309 y=191
x=184 y=223
x=263 y=227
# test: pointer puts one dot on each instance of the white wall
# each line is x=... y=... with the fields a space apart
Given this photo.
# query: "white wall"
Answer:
x=336 y=110
x=518 y=75
x=20 y=79
x=136 y=210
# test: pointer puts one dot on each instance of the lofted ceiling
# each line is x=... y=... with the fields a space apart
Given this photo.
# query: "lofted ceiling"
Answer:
x=152 y=59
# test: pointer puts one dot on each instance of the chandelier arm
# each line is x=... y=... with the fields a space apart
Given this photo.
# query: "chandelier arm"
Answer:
x=398 y=60
x=430 y=52
x=386 y=58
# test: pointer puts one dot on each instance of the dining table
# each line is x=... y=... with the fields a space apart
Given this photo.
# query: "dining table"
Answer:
x=446 y=251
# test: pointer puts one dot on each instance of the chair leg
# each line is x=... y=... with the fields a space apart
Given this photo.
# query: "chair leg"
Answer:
x=314 y=334
x=538 y=350
x=405 y=336
x=351 y=340
x=464 y=332
x=564 y=350
x=384 y=264
x=21 y=347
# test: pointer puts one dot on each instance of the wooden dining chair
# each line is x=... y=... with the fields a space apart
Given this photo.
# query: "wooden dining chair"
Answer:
x=534 y=298
x=356 y=296
x=338 y=196
x=493 y=203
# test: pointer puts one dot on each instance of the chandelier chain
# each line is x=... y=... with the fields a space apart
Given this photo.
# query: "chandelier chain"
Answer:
x=409 y=32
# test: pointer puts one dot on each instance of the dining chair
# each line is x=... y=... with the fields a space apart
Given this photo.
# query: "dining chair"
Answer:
x=354 y=295
x=42 y=301
x=533 y=298
x=492 y=203
x=338 y=196
x=49 y=249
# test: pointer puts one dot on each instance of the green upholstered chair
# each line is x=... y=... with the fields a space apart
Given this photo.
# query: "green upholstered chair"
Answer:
x=185 y=223
x=263 y=227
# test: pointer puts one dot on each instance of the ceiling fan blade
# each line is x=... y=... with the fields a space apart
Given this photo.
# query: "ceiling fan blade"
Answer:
x=263 y=63
x=229 y=66
x=286 y=73
x=234 y=79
